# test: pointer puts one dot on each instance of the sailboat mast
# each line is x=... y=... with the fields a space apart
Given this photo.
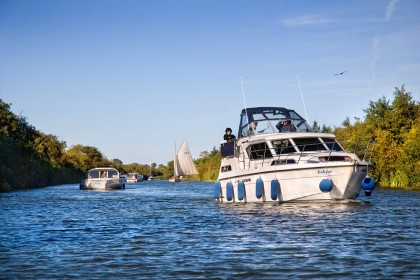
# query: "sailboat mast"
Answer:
x=175 y=163
x=175 y=160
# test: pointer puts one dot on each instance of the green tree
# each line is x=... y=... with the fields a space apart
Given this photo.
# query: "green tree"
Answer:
x=86 y=157
x=208 y=166
x=409 y=165
x=326 y=129
x=50 y=148
x=394 y=126
x=29 y=158
x=316 y=127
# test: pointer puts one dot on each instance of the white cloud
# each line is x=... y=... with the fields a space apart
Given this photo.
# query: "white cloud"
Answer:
x=390 y=9
x=305 y=20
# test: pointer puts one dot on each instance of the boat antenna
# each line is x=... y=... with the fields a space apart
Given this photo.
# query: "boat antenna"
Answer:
x=303 y=101
x=243 y=96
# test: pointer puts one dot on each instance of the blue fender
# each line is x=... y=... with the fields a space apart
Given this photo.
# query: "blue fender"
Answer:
x=274 y=189
x=325 y=185
x=229 y=191
x=217 y=189
x=241 y=190
x=368 y=184
x=259 y=188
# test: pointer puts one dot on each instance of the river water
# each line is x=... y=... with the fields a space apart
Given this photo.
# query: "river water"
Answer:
x=162 y=230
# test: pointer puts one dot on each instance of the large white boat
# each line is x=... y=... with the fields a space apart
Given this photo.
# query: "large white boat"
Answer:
x=276 y=157
x=134 y=177
x=103 y=178
x=183 y=164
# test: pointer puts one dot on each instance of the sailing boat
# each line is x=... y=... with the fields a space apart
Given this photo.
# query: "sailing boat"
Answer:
x=183 y=163
x=151 y=177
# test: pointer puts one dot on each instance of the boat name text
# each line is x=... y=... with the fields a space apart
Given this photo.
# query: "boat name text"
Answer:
x=244 y=180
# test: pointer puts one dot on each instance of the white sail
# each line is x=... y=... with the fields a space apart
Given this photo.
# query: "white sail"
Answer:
x=184 y=164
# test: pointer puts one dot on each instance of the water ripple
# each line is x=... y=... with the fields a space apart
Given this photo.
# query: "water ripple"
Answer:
x=162 y=230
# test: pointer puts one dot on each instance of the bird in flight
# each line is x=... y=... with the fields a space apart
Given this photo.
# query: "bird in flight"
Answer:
x=341 y=73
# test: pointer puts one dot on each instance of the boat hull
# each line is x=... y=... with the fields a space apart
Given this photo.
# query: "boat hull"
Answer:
x=104 y=184
x=134 y=180
x=294 y=184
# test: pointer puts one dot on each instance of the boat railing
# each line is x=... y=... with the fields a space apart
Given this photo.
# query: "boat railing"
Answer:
x=364 y=149
x=369 y=151
x=267 y=159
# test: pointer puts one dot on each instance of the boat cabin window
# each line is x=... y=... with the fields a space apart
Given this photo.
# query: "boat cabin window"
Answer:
x=309 y=144
x=226 y=168
x=332 y=144
x=113 y=174
x=259 y=151
x=283 y=147
x=93 y=174
x=102 y=174
x=283 y=161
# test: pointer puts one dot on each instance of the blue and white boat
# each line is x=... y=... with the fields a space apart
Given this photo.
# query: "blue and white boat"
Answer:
x=277 y=157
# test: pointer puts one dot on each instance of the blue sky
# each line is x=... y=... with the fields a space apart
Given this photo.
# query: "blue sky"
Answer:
x=133 y=78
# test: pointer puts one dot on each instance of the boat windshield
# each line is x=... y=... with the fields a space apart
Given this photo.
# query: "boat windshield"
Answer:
x=132 y=175
x=264 y=120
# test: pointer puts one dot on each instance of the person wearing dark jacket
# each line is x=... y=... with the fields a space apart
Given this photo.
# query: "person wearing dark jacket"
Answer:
x=229 y=136
x=286 y=126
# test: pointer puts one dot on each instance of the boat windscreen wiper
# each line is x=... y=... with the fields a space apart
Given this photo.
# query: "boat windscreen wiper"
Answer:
x=262 y=130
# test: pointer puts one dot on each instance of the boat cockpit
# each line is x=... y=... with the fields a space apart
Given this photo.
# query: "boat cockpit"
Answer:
x=96 y=173
x=265 y=120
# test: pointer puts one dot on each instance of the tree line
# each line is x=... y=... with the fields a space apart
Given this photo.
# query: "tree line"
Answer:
x=30 y=158
x=394 y=126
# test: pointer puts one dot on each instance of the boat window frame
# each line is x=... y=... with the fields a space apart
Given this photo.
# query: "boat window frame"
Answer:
x=290 y=147
x=266 y=152
x=319 y=143
x=328 y=144
x=268 y=118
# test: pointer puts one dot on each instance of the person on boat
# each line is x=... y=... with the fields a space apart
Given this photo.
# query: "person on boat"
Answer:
x=229 y=136
x=253 y=128
x=285 y=126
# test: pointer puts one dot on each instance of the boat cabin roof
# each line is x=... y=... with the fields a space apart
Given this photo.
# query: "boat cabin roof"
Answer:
x=265 y=120
x=103 y=169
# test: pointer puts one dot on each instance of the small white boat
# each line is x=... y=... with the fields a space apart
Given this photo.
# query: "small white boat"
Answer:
x=134 y=177
x=151 y=177
x=183 y=164
x=277 y=158
x=103 y=178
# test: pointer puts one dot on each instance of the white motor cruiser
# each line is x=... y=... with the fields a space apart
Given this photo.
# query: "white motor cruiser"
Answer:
x=103 y=178
x=277 y=158
x=134 y=177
